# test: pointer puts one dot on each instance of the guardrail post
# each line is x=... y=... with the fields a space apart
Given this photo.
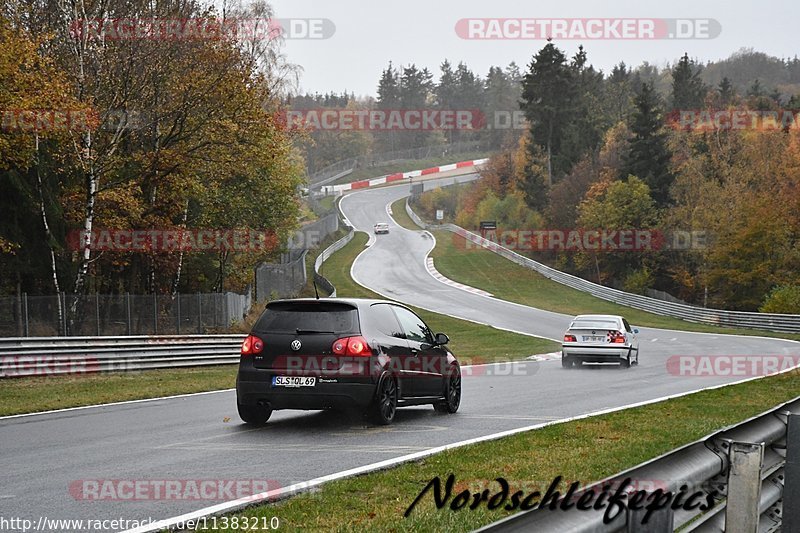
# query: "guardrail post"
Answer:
x=128 y=311
x=25 y=312
x=791 y=484
x=744 y=487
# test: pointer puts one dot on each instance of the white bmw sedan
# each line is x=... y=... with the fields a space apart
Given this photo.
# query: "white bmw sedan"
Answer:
x=600 y=339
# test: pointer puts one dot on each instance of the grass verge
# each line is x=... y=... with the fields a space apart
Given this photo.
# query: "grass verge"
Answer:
x=472 y=342
x=509 y=281
x=32 y=394
x=584 y=450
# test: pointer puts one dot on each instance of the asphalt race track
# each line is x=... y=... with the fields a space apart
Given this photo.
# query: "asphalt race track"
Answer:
x=201 y=438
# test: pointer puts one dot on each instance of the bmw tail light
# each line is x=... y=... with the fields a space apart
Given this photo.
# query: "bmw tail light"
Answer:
x=252 y=345
x=356 y=346
x=570 y=338
x=616 y=337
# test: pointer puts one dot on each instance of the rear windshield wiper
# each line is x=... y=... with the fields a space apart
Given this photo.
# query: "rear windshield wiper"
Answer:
x=312 y=331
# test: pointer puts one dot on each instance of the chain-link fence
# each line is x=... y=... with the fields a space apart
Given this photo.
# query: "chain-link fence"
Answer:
x=119 y=314
x=286 y=278
x=331 y=172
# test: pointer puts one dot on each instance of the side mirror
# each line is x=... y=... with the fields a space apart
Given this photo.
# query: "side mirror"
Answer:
x=636 y=330
x=442 y=339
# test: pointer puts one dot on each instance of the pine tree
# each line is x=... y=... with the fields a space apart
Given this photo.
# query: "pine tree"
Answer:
x=548 y=92
x=726 y=91
x=649 y=157
x=388 y=98
x=688 y=90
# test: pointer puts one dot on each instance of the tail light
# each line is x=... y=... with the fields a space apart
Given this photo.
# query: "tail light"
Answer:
x=252 y=345
x=570 y=338
x=617 y=337
x=356 y=346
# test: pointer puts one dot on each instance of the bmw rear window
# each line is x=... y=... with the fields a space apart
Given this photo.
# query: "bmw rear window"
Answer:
x=288 y=317
x=594 y=324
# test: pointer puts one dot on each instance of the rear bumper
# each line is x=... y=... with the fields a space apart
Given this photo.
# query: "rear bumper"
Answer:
x=254 y=386
x=321 y=396
x=597 y=354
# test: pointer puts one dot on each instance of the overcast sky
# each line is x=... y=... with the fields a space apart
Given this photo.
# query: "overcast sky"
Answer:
x=370 y=33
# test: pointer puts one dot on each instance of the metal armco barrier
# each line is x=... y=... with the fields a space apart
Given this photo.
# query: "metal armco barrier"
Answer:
x=702 y=315
x=321 y=280
x=36 y=356
x=747 y=465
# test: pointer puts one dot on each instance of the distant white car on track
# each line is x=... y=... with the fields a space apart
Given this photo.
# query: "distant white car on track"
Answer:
x=381 y=227
x=600 y=339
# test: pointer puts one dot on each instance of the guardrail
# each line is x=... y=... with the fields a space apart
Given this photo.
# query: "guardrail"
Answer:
x=754 y=467
x=691 y=313
x=321 y=258
x=34 y=356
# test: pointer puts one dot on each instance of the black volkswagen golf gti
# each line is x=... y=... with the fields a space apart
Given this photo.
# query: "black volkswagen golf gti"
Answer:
x=371 y=355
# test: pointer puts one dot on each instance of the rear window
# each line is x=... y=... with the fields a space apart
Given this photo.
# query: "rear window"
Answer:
x=594 y=324
x=310 y=317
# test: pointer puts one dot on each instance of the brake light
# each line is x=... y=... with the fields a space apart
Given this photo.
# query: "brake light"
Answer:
x=570 y=338
x=356 y=346
x=616 y=337
x=252 y=345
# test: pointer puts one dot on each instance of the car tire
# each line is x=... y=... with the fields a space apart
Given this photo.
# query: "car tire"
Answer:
x=452 y=393
x=626 y=362
x=567 y=362
x=384 y=407
x=255 y=415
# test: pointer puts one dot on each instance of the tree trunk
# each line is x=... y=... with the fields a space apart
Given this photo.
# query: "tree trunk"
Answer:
x=176 y=282
x=47 y=233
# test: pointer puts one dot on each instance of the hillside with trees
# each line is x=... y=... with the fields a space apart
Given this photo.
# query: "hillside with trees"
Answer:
x=610 y=151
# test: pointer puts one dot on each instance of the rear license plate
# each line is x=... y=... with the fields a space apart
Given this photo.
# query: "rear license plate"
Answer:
x=593 y=338
x=293 y=381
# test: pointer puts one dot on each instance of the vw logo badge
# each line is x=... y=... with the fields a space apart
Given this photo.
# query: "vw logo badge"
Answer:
x=296 y=344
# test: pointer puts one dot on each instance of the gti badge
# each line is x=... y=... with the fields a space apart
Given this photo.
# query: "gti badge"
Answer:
x=296 y=344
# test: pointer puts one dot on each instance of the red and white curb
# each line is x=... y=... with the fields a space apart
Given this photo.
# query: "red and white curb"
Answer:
x=447 y=281
x=363 y=184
